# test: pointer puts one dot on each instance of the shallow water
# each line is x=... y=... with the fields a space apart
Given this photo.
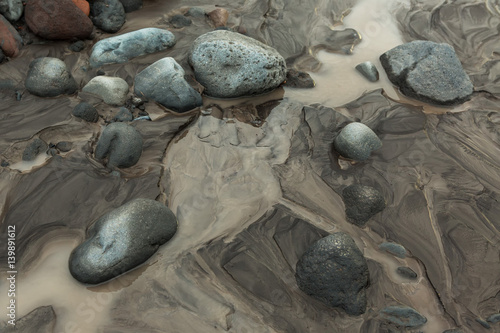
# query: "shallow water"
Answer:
x=254 y=181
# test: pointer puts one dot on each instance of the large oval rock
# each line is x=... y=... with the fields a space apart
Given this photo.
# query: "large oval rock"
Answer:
x=334 y=271
x=108 y=15
x=121 y=240
x=57 y=19
x=121 y=144
x=164 y=82
x=11 y=9
x=112 y=90
x=361 y=203
x=122 y=48
x=49 y=77
x=428 y=71
x=10 y=40
x=356 y=141
x=230 y=65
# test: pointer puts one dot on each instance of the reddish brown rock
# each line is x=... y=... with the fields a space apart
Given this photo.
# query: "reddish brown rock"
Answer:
x=83 y=5
x=57 y=19
x=219 y=17
x=10 y=40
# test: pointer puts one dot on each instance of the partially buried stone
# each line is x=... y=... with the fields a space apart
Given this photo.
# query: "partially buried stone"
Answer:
x=49 y=77
x=196 y=12
x=428 y=71
x=121 y=240
x=368 y=70
x=64 y=146
x=164 y=82
x=393 y=248
x=123 y=115
x=403 y=316
x=107 y=15
x=334 y=271
x=112 y=90
x=131 y=5
x=77 y=46
x=33 y=149
x=86 y=112
x=407 y=272
x=361 y=203
x=121 y=144
x=296 y=79
x=356 y=141
x=40 y=320
x=179 y=21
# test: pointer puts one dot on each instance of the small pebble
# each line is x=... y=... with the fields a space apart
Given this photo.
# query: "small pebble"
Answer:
x=100 y=72
x=394 y=248
x=36 y=147
x=196 y=12
x=4 y=164
x=77 y=46
x=123 y=115
x=19 y=95
x=64 y=146
x=407 y=272
x=369 y=71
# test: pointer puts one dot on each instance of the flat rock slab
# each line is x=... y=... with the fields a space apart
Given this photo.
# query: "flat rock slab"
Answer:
x=120 y=49
x=112 y=90
x=49 y=77
x=121 y=144
x=428 y=71
x=121 y=240
x=229 y=64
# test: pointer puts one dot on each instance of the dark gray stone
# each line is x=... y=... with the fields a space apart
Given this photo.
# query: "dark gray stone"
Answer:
x=121 y=240
x=296 y=79
x=40 y=320
x=49 y=77
x=361 y=203
x=4 y=164
x=107 y=15
x=429 y=72
x=120 y=49
x=52 y=152
x=483 y=323
x=121 y=144
x=11 y=9
x=494 y=318
x=368 y=70
x=123 y=115
x=407 y=272
x=356 y=141
x=64 y=146
x=131 y=5
x=179 y=21
x=334 y=271
x=34 y=148
x=86 y=112
x=229 y=65
x=77 y=46
x=196 y=12
x=164 y=83
x=403 y=316
x=393 y=248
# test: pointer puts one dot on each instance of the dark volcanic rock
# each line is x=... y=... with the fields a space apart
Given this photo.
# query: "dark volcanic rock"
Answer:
x=179 y=21
x=429 y=72
x=403 y=316
x=123 y=115
x=121 y=240
x=164 y=82
x=368 y=70
x=121 y=144
x=407 y=272
x=229 y=64
x=334 y=271
x=361 y=203
x=36 y=147
x=394 y=248
x=356 y=141
x=49 y=77
x=296 y=79
x=77 y=46
x=131 y=5
x=107 y=15
x=40 y=320
x=86 y=112
x=11 y=9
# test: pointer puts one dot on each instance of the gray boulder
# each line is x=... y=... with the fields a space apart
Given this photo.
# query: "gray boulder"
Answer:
x=229 y=65
x=107 y=15
x=368 y=70
x=112 y=90
x=356 y=141
x=334 y=271
x=11 y=9
x=164 y=82
x=131 y=5
x=120 y=49
x=121 y=144
x=35 y=147
x=429 y=72
x=49 y=77
x=121 y=240
x=403 y=316
x=361 y=203
x=86 y=112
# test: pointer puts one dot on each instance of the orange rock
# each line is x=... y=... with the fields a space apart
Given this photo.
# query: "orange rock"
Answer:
x=219 y=17
x=10 y=40
x=83 y=5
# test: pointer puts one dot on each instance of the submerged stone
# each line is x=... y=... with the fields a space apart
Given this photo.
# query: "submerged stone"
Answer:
x=361 y=203
x=368 y=70
x=121 y=144
x=123 y=115
x=121 y=240
x=356 y=141
x=403 y=316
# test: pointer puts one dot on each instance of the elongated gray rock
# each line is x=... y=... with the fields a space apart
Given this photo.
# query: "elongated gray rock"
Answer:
x=112 y=90
x=121 y=240
x=120 y=49
x=164 y=83
x=403 y=316
x=49 y=77
x=121 y=144
x=428 y=71
x=356 y=141
x=11 y=9
x=229 y=64
x=334 y=271
x=107 y=15
x=394 y=248
x=361 y=203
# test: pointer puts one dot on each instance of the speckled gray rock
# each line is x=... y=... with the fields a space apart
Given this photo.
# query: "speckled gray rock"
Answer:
x=334 y=271
x=393 y=248
x=428 y=71
x=131 y=5
x=361 y=203
x=229 y=65
x=356 y=141
x=11 y=9
x=407 y=272
x=121 y=240
x=121 y=144
x=49 y=77
x=403 y=316
x=368 y=70
x=41 y=320
x=107 y=15
x=494 y=318
x=34 y=148
x=112 y=90
x=123 y=115
x=120 y=49
x=164 y=83
x=86 y=112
